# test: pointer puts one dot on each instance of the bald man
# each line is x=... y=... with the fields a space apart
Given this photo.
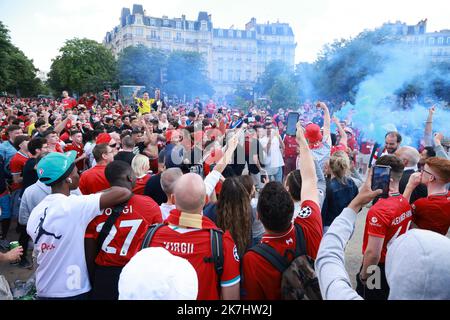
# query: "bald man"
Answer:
x=410 y=158
x=187 y=234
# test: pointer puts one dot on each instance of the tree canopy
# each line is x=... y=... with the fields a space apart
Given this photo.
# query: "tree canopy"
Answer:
x=83 y=65
x=17 y=72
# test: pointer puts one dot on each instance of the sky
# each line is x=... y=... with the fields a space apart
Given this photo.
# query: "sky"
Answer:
x=40 y=28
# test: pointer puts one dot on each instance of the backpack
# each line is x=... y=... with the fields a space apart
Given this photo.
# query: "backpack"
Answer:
x=216 y=246
x=298 y=278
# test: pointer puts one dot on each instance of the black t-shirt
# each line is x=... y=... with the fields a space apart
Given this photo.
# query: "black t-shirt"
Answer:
x=199 y=106
x=153 y=190
x=140 y=146
x=126 y=127
x=126 y=156
x=29 y=174
x=255 y=147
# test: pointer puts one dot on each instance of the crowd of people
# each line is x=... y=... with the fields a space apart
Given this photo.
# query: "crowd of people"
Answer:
x=99 y=188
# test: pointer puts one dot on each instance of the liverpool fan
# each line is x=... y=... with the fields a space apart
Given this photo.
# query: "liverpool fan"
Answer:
x=153 y=187
x=36 y=147
x=340 y=190
x=417 y=263
x=139 y=213
x=18 y=161
x=7 y=149
x=290 y=154
x=53 y=141
x=57 y=226
x=94 y=180
x=68 y=102
x=319 y=142
x=432 y=213
x=439 y=148
x=262 y=281
x=386 y=220
x=141 y=169
x=168 y=181
x=410 y=158
x=126 y=154
x=234 y=213
x=76 y=144
x=187 y=234
x=31 y=197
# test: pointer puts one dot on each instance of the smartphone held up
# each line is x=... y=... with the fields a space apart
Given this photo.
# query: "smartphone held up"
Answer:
x=381 y=178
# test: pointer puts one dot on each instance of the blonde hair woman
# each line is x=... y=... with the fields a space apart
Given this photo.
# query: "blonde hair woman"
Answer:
x=141 y=167
x=341 y=189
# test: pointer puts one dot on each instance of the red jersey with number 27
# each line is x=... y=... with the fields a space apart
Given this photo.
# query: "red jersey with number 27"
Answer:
x=388 y=218
x=124 y=239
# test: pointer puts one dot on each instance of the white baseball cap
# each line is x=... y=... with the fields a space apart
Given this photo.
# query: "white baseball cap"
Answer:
x=156 y=274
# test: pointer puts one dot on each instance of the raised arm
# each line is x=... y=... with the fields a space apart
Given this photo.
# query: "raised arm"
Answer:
x=429 y=126
x=307 y=171
x=438 y=148
x=414 y=181
x=342 y=133
x=214 y=176
x=326 y=121
x=114 y=196
x=62 y=125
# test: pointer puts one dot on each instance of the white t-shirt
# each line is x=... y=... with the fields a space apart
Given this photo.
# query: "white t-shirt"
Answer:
x=165 y=210
x=57 y=226
x=274 y=156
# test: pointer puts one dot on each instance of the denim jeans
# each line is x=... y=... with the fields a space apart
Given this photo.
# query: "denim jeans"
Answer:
x=5 y=204
x=276 y=174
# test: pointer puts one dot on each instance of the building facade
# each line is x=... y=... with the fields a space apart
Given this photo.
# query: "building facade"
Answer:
x=435 y=45
x=235 y=58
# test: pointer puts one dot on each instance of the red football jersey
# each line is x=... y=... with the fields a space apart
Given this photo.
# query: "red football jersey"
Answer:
x=69 y=103
x=140 y=184
x=433 y=213
x=290 y=147
x=16 y=165
x=79 y=150
x=388 y=218
x=124 y=239
x=195 y=245
x=93 y=180
x=261 y=280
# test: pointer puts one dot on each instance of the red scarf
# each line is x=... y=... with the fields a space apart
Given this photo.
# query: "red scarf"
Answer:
x=189 y=220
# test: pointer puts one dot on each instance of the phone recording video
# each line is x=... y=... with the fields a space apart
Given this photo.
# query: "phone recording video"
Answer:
x=292 y=120
x=381 y=179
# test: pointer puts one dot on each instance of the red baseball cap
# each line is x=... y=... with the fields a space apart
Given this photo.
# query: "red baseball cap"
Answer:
x=103 y=138
x=313 y=134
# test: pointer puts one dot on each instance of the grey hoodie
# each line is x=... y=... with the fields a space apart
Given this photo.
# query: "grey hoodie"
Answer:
x=32 y=196
x=417 y=264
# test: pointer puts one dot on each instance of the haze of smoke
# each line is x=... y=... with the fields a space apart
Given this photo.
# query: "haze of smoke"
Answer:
x=375 y=110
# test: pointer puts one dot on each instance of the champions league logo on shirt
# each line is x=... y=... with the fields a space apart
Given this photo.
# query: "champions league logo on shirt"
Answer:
x=235 y=254
x=305 y=212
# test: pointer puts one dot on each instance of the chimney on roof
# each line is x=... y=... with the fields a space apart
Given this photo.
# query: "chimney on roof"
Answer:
x=138 y=9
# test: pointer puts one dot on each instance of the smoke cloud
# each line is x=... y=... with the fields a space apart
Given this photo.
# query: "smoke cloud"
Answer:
x=377 y=110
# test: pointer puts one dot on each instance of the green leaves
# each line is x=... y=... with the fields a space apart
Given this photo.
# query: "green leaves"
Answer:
x=17 y=72
x=178 y=73
x=83 y=65
x=279 y=83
